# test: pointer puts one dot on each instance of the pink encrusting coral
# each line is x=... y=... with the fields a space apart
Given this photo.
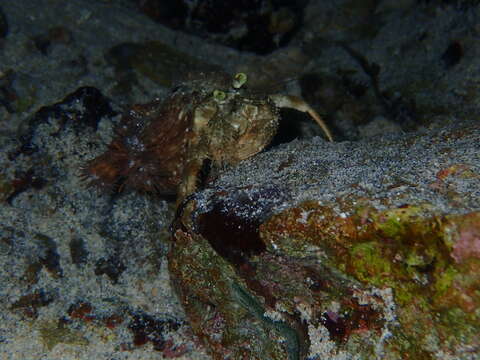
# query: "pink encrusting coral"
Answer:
x=468 y=242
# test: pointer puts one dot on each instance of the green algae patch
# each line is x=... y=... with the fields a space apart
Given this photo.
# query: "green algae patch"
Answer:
x=369 y=264
x=459 y=287
x=53 y=333
x=399 y=223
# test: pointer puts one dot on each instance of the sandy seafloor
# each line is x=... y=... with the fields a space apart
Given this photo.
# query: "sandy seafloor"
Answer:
x=54 y=239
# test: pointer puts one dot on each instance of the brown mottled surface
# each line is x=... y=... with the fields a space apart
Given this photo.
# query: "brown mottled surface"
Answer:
x=371 y=247
x=85 y=275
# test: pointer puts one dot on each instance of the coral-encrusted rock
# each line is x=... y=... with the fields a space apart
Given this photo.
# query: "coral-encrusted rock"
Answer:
x=352 y=250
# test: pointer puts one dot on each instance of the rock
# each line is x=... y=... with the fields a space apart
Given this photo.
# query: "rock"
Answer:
x=348 y=250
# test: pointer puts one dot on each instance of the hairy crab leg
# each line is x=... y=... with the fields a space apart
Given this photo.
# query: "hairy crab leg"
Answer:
x=195 y=157
x=294 y=102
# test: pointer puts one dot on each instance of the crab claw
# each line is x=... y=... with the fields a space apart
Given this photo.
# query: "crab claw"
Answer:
x=294 y=102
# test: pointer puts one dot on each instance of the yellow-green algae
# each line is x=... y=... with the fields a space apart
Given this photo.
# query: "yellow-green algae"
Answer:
x=53 y=333
x=411 y=249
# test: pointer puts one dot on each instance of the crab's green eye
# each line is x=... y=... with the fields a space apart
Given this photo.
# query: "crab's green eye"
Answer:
x=239 y=79
x=219 y=95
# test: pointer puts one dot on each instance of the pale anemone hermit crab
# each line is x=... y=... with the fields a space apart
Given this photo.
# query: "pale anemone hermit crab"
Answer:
x=162 y=146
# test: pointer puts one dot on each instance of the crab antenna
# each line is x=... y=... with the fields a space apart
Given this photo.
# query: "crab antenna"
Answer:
x=294 y=102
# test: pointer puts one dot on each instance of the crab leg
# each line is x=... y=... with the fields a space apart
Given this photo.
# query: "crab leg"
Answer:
x=294 y=102
x=195 y=157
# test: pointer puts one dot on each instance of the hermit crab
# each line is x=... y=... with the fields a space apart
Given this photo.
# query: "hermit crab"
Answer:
x=211 y=117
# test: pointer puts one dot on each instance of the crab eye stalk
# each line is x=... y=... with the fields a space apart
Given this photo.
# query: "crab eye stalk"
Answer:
x=239 y=80
x=219 y=95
